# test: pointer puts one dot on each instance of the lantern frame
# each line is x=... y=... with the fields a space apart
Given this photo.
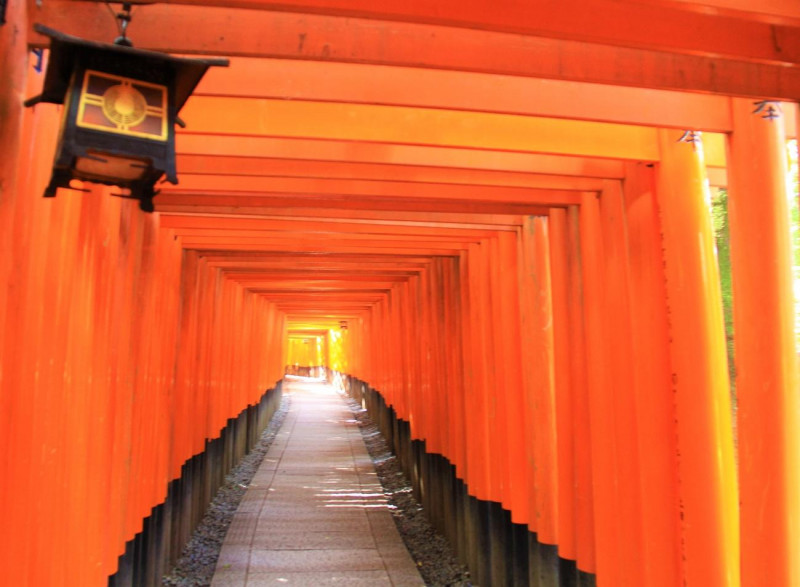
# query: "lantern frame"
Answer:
x=121 y=106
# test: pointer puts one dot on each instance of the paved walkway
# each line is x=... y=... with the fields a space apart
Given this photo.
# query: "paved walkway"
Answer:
x=315 y=513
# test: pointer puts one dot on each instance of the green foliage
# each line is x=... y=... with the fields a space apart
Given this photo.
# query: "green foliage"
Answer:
x=719 y=219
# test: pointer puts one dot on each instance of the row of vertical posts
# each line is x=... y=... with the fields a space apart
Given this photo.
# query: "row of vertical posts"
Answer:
x=575 y=372
x=306 y=353
x=171 y=524
x=120 y=356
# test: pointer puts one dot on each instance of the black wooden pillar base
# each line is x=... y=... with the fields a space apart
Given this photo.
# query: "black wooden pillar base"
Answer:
x=154 y=550
x=496 y=551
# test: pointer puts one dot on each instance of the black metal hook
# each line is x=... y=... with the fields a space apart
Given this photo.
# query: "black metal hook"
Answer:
x=123 y=18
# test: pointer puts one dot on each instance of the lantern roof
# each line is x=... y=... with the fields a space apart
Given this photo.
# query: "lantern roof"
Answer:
x=65 y=49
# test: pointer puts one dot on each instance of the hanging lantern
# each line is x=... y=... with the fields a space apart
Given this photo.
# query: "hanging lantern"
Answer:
x=120 y=109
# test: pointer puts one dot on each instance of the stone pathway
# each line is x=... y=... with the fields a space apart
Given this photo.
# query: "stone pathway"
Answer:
x=315 y=512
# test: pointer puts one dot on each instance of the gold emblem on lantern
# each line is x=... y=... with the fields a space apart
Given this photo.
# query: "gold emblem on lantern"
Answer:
x=126 y=106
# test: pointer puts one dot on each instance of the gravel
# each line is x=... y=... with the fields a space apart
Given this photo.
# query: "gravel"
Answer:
x=429 y=549
x=195 y=567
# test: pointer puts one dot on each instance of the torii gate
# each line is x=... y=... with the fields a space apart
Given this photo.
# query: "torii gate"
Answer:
x=508 y=176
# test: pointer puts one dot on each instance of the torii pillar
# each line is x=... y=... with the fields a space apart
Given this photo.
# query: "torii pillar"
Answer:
x=765 y=350
x=706 y=463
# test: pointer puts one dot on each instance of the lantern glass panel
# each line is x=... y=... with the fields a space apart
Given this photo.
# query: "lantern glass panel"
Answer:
x=112 y=103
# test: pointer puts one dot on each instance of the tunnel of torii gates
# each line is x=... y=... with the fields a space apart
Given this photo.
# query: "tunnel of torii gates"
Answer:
x=492 y=214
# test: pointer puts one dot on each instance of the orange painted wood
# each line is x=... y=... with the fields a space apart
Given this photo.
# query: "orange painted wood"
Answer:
x=224 y=203
x=26 y=274
x=442 y=386
x=406 y=316
x=718 y=51
x=321 y=188
x=563 y=385
x=545 y=472
x=774 y=11
x=387 y=176
x=99 y=424
x=458 y=399
x=650 y=367
x=426 y=396
x=398 y=389
x=13 y=65
x=556 y=176
x=416 y=126
x=455 y=386
x=461 y=90
x=375 y=242
x=477 y=389
x=614 y=20
x=389 y=249
x=623 y=396
x=601 y=395
x=493 y=404
x=184 y=223
x=765 y=350
x=466 y=328
x=557 y=191
x=584 y=451
x=513 y=369
x=707 y=470
x=714 y=150
x=309 y=149
x=496 y=385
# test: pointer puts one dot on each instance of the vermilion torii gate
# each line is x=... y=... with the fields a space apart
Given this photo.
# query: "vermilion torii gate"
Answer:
x=495 y=198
